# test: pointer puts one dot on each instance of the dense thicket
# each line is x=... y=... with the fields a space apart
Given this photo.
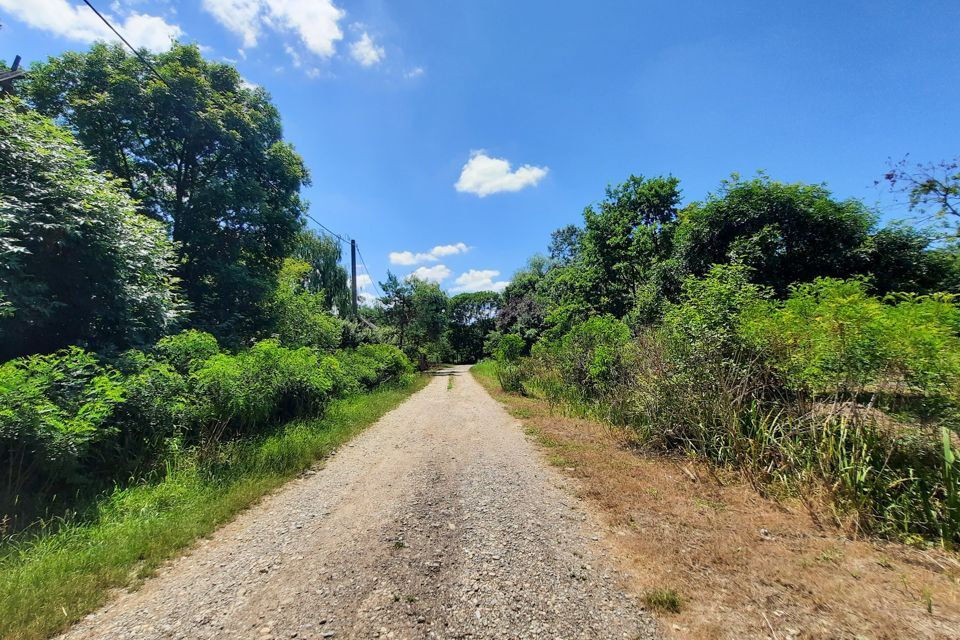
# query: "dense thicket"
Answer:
x=770 y=327
x=203 y=153
x=78 y=263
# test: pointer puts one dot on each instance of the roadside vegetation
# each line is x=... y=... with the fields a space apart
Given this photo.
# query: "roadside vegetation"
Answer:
x=770 y=329
x=174 y=343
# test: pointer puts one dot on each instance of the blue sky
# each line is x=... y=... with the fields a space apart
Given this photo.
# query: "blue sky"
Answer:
x=407 y=113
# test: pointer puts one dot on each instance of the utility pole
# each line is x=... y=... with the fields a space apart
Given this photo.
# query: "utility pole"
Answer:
x=7 y=77
x=353 y=274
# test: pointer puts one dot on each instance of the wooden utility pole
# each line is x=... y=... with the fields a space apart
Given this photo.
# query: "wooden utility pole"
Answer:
x=353 y=274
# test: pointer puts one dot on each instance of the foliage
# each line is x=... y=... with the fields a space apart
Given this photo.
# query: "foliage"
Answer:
x=326 y=275
x=471 y=319
x=71 y=425
x=55 y=411
x=202 y=152
x=932 y=190
x=187 y=350
x=832 y=336
x=786 y=232
x=78 y=264
x=301 y=317
x=371 y=365
x=254 y=389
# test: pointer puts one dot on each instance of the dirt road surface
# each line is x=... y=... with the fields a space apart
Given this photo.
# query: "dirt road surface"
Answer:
x=440 y=521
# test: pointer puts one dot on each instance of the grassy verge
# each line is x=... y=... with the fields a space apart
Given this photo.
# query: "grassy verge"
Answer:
x=714 y=559
x=51 y=581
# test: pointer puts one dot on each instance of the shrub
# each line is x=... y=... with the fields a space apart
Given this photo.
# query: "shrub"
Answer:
x=592 y=361
x=55 y=411
x=244 y=393
x=188 y=350
x=370 y=365
x=507 y=352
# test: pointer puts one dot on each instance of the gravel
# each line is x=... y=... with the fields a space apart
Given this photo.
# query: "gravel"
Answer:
x=440 y=521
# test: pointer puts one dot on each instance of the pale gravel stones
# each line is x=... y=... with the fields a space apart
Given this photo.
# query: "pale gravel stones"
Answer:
x=441 y=521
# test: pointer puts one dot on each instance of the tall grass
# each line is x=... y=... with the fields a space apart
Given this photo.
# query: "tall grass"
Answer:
x=49 y=580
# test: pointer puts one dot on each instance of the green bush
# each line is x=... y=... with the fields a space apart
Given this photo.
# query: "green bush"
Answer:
x=370 y=365
x=832 y=336
x=246 y=392
x=507 y=352
x=55 y=413
x=188 y=350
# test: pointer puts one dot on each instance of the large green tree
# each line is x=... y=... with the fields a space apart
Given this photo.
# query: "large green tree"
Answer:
x=78 y=264
x=785 y=232
x=201 y=151
x=629 y=232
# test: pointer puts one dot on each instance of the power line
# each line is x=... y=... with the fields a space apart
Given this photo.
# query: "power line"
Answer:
x=327 y=229
x=367 y=270
x=129 y=46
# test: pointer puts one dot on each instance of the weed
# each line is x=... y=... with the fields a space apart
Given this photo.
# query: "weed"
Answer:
x=666 y=600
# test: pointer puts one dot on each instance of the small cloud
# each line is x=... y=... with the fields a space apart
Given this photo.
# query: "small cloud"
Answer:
x=363 y=281
x=479 y=280
x=366 y=52
x=483 y=175
x=437 y=273
x=297 y=62
x=416 y=72
x=410 y=258
x=366 y=299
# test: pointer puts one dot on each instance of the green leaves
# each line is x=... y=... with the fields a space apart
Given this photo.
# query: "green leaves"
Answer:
x=205 y=156
x=82 y=266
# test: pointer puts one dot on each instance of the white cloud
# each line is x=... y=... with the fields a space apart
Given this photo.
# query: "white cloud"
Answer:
x=437 y=273
x=366 y=52
x=78 y=22
x=363 y=281
x=410 y=258
x=484 y=175
x=479 y=280
x=416 y=72
x=316 y=22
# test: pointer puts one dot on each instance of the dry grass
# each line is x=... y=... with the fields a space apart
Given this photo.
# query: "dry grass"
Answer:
x=743 y=566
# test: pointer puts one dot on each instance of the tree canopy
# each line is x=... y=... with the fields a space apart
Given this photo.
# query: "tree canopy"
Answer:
x=202 y=152
x=78 y=264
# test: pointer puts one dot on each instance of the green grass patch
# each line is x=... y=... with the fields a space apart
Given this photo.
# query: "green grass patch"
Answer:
x=664 y=600
x=47 y=582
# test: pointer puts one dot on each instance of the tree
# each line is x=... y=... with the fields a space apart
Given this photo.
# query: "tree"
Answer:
x=301 y=315
x=416 y=311
x=522 y=309
x=565 y=244
x=785 y=232
x=397 y=307
x=78 y=264
x=326 y=275
x=630 y=232
x=932 y=191
x=201 y=151
x=472 y=317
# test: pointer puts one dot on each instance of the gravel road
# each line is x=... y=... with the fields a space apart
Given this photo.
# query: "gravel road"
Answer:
x=440 y=521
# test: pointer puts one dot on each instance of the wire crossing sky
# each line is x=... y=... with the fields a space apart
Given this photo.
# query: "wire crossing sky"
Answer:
x=449 y=139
